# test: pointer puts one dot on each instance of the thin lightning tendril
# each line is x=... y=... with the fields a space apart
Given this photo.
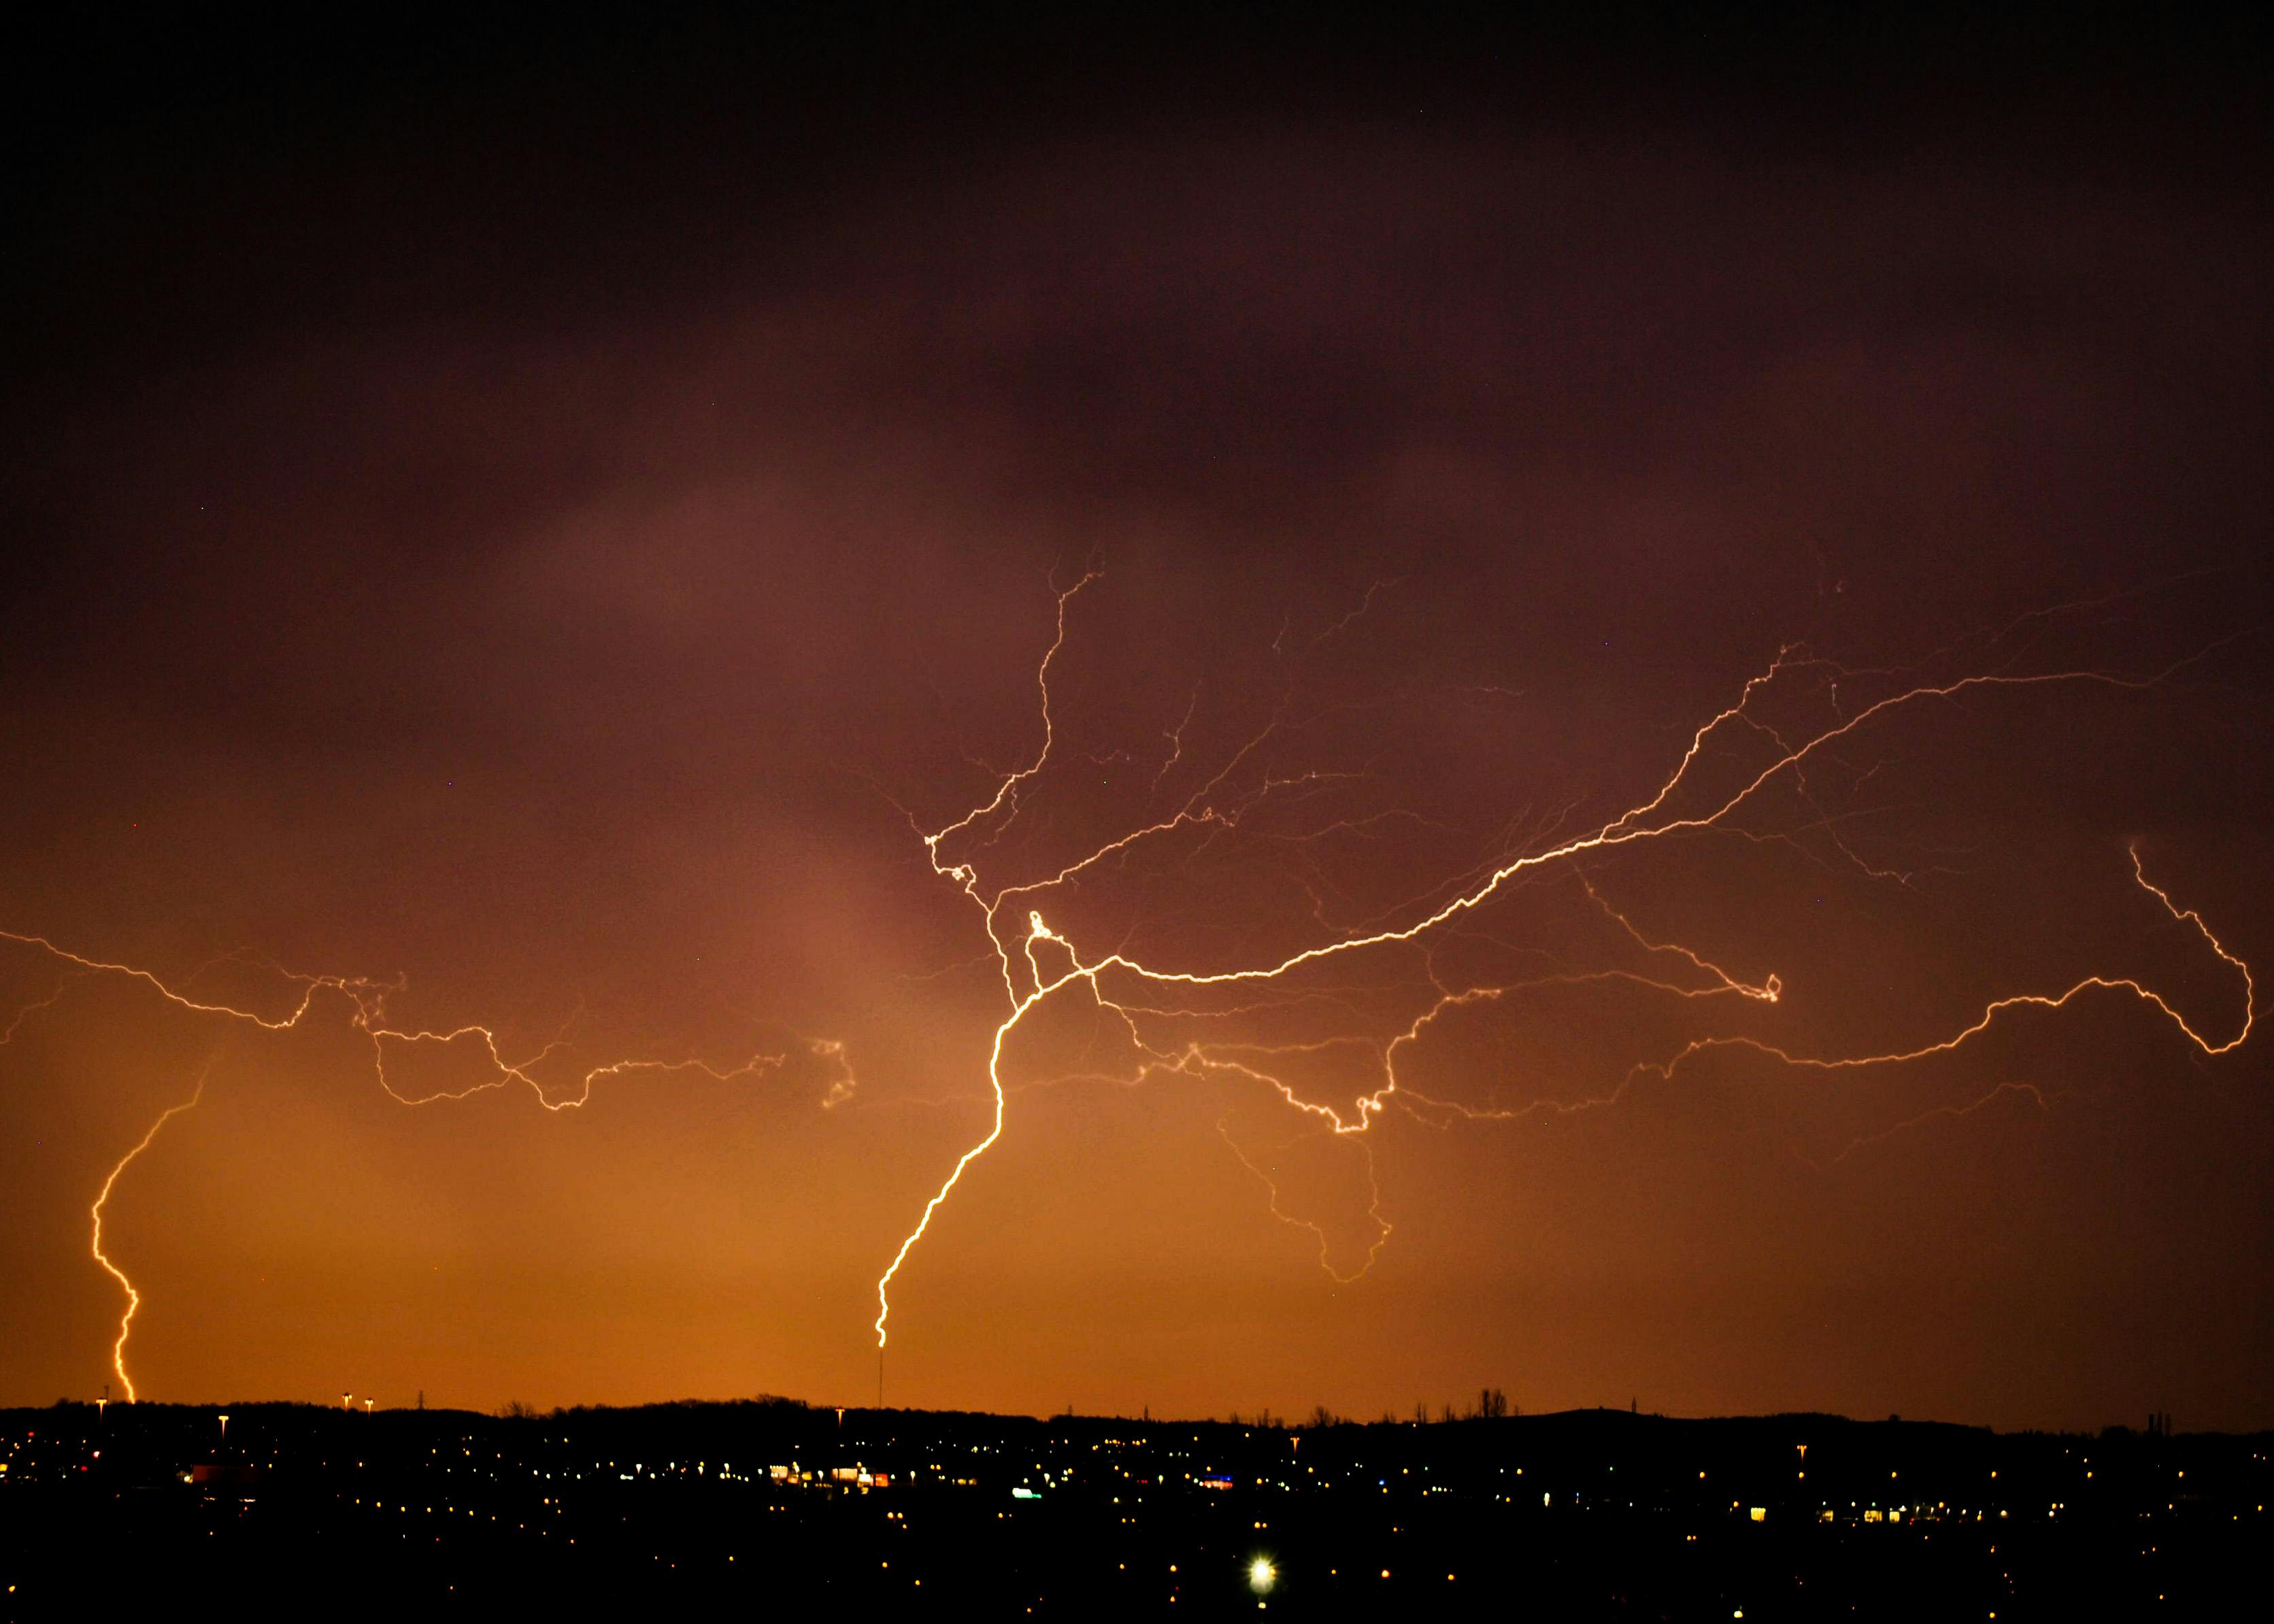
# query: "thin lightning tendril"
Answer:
x=368 y=998
x=16 y=1022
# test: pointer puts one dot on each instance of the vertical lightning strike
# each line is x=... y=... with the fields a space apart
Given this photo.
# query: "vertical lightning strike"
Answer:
x=133 y=1296
x=966 y=879
x=994 y=1133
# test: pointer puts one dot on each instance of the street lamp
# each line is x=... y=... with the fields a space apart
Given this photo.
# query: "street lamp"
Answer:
x=224 y=1429
x=366 y=1406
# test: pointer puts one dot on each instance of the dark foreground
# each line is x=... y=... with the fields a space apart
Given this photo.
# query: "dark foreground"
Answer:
x=762 y=1505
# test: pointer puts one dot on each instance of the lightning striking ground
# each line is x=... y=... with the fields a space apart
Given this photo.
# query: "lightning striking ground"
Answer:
x=94 y=1212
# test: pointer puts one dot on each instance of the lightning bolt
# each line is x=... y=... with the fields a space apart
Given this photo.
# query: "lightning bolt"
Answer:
x=1674 y=809
x=133 y=1296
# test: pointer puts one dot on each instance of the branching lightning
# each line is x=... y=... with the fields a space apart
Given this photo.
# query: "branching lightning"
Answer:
x=1181 y=1020
x=1038 y=962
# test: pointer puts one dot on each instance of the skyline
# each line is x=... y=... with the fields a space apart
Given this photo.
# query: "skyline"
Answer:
x=1601 y=1513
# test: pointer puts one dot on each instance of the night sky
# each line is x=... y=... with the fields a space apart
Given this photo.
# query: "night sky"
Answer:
x=550 y=522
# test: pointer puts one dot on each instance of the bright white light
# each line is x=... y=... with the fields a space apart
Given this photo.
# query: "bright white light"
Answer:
x=1261 y=1575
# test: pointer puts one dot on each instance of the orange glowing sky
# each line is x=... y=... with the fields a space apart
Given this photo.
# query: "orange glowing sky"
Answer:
x=1640 y=747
